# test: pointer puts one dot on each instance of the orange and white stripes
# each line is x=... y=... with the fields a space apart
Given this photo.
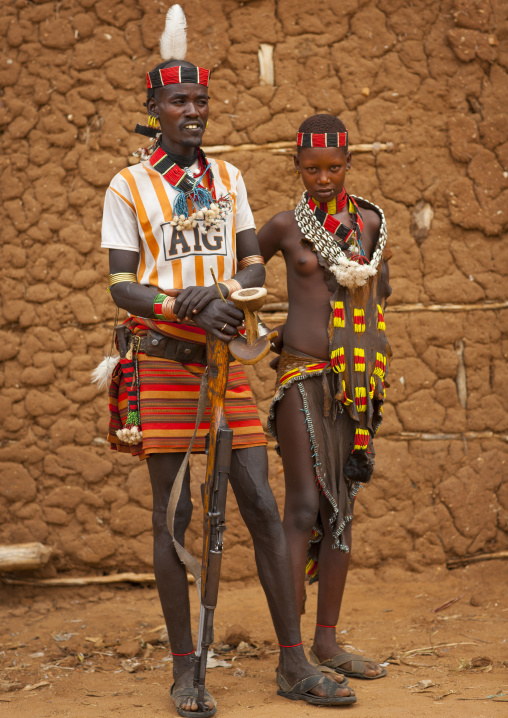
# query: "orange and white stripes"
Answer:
x=137 y=216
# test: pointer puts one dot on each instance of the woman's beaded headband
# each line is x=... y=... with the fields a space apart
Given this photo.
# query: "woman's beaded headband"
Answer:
x=177 y=75
x=329 y=139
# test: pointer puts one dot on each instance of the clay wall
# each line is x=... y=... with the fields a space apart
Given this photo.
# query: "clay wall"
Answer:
x=430 y=77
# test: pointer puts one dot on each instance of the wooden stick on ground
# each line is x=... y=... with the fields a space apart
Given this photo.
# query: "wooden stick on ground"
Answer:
x=422 y=436
x=463 y=560
x=290 y=146
x=84 y=580
x=24 y=556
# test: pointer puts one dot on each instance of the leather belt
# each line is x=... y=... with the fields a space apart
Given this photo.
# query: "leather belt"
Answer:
x=157 y=345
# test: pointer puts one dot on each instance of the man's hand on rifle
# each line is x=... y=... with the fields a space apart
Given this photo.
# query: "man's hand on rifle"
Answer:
x=193 y=300
x=220 y=319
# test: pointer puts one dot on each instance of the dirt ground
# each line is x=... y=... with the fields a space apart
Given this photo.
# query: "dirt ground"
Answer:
x=101 y=651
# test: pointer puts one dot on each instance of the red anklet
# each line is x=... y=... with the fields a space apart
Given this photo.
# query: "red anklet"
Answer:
x=295 y=646
x=321 y=625
x=182 y=654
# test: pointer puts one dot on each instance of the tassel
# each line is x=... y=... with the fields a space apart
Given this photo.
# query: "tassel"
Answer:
x=130 y=435
x=202 y=197
x=173 y=42
x=180 y=205
x=101 y=375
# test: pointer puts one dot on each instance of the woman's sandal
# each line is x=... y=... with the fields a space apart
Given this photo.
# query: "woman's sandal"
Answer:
x=192 y=693
x=334 y=665
x=301 y=691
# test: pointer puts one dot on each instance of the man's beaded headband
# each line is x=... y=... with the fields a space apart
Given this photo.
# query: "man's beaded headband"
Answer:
x=329 y=139
x=176 y=76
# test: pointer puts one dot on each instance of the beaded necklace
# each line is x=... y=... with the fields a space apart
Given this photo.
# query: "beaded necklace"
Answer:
x=335 y=205
x=349 y=272
x=208 y=209
x=351 y=236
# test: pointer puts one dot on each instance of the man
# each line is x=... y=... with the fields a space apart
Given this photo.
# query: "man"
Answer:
x=167 y=221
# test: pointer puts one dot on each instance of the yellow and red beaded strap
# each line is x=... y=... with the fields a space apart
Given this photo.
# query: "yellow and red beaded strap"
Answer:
x=307 y=369
x=362 y=438
x=339 y=319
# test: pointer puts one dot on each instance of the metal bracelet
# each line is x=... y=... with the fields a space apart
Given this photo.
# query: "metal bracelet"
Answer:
x=232 y=285
x=251 y=259
x=121 y=277
x=167 y=308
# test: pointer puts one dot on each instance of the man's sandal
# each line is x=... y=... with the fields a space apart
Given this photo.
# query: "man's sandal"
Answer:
x=301 y=691
x=190 y=692
x=334 y=665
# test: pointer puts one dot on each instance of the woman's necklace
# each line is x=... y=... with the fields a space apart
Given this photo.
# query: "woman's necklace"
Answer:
x=349 y=272
x=350 y=236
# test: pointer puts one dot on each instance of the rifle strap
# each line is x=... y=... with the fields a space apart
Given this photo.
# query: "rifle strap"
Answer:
x=192 y=565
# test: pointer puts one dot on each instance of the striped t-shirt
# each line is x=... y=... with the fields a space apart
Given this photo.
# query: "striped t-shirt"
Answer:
x=137 y=217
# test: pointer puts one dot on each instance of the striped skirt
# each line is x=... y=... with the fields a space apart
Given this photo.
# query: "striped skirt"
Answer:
x=169 y=394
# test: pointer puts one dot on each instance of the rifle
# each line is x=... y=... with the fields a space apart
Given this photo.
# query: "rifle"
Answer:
x=220 y=442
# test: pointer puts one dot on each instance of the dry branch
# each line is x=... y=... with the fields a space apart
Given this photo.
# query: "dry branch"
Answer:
x=84 y=580
x=290 y=146
x=463 y=560
x=24 y=556
x=403 y=308
x=485 y=306
x=422 y=436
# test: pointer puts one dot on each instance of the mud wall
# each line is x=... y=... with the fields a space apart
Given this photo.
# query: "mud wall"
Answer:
x=430 y=77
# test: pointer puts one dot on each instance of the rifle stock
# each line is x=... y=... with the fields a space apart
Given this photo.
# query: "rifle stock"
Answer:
x=214 y=504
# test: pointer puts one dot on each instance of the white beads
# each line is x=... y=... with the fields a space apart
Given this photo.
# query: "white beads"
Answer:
x=209 y=217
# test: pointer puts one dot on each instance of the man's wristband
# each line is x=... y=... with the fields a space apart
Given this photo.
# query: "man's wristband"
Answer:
x=163 y=307
x=121 y=277
x=231 y=285
x=251 y=259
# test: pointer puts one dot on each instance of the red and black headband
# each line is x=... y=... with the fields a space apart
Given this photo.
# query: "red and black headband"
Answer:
x=177 y=75
x=328 y=139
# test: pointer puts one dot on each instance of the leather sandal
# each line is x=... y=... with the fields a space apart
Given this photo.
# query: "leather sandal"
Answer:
x=334 y=665
x=301 y=691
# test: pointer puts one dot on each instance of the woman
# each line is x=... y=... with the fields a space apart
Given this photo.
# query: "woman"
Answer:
x=331 y=369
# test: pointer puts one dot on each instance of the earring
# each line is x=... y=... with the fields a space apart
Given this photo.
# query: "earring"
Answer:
x=297 y=172
x=348 y=171
x=153 y=121
x=206 y=126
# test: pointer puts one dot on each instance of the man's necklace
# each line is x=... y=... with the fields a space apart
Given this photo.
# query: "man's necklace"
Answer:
x=349 y=272
x=209 y=210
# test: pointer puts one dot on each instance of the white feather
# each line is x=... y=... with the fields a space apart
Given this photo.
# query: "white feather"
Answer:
x=173 y=42
x=101 y=375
